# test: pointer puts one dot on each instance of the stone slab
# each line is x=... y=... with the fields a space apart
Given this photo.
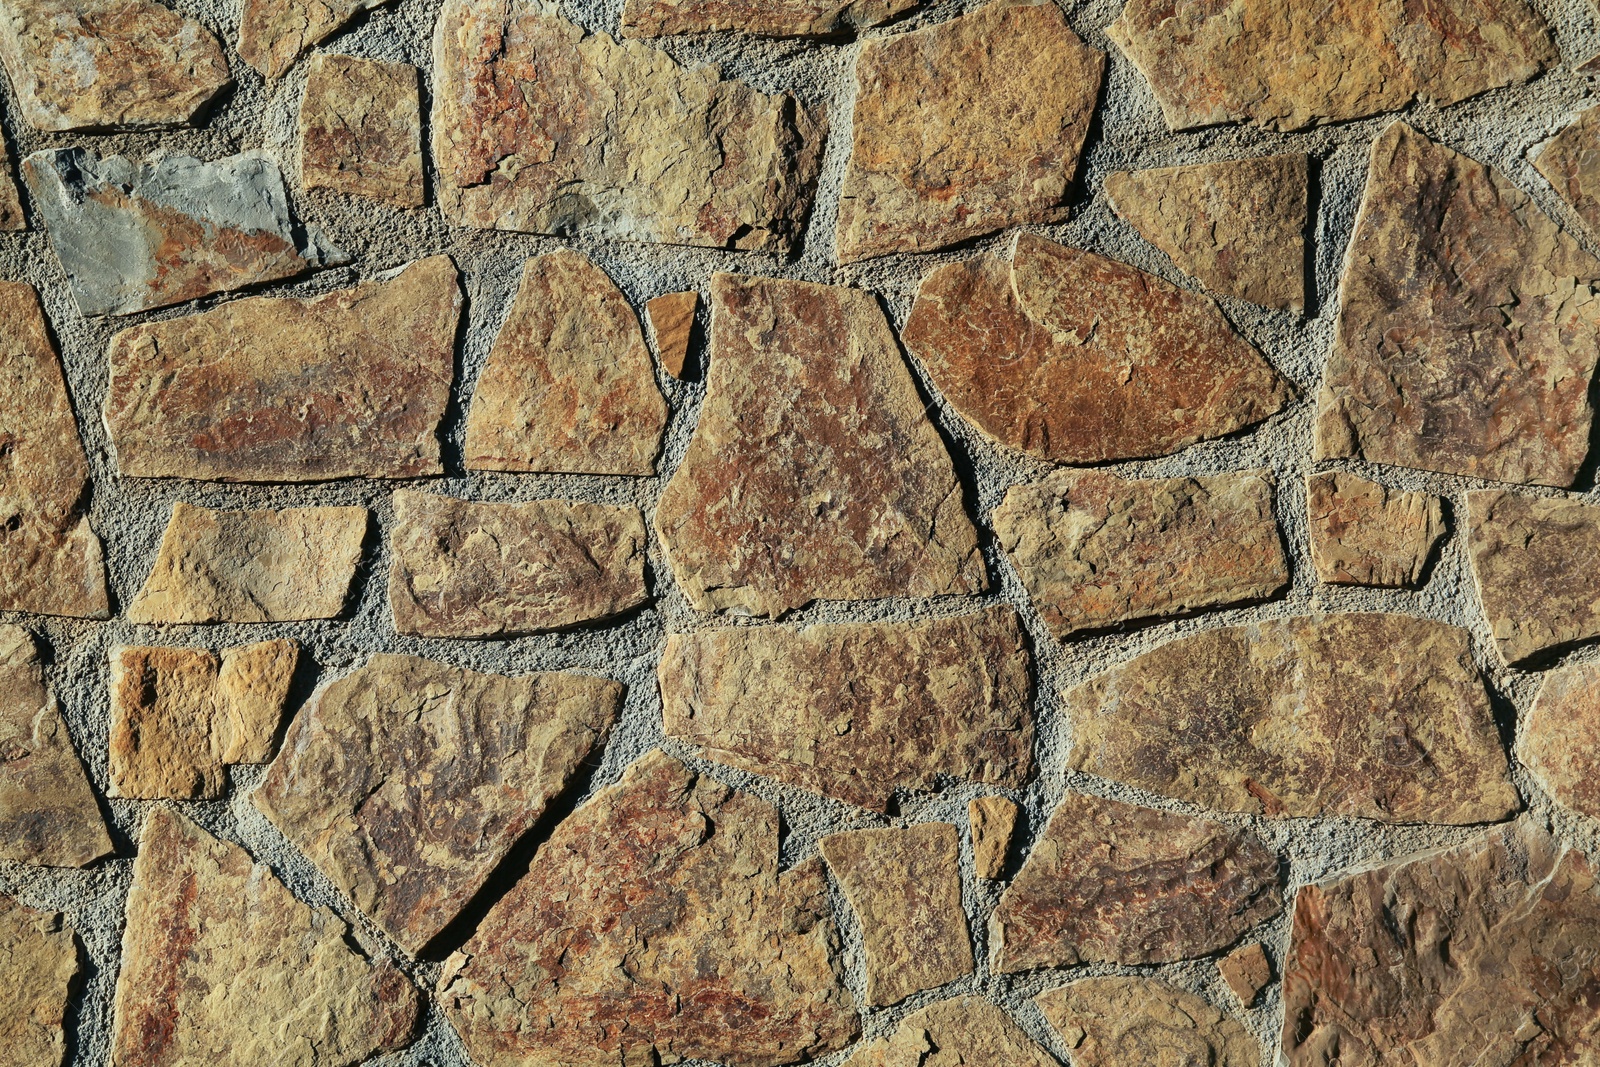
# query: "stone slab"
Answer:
x=12 y=218
x=1557 y=742
x=768 y=18
x=361 y=130
x=993 y=821
x=1570 y=162
x=39 y=971
x=1364 y=533
x=1247 y=971
x=1120 y=1022
x=273 y=34
x=953 y=1033
x=672 y=322
x=1533 y=564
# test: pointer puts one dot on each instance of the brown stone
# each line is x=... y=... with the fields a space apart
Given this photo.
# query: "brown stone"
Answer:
x=1468 y=326
x=221 y=965
x=654 y=925
x=1095 y=550
x=1247 y=971
x=1558 y=740
x=905 y=888
x=1363 y=533
x=858 y=710
x=11 y=216
x=252 y=566
x=1238 y=226
x=253 y=690
x=769 y=18
x=994 y=822
x=38 y=971
x=275 y=33
x=349 y=384
x=1075 y=358
x=964 y=128
x=1121 y=1022
x=407 y=781
x=1288 y=65
x=1533 y=564
x=1375 y=716
x=569 y=386
x=361 y=130
x=814 y=473
x=1570 y=162
x=541 y=127
x=463 y=569
x=953 y=1033
x=672 y=321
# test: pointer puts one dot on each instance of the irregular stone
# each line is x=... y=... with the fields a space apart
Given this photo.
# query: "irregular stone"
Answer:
x=349 y=384
x=1375 y=716
x=1141 y=368
x=1118 y=1022
x=1247 y=971
x=252 y=693
x=769 y=18
x=407 y=781
x=463 y=569
x=858 y=710
x=50 y=558
x=654 y=925
x=108 y=64
x=905 y=888
x=252 y=566
x=38 y=970
x=48 y=814
x=1363 y=533
x=814 y=473
x=361 y=130
x=952 y=1033
x=11 y=216
x=1557 y=743
x=964 y=128
x=275 y=33
x=1287 y=65
x=1468 y=325
x=1532 y=561
x=1095 y=550
x=1238 y=226
x=672 y=321
x=1570 y=162
x=543 y=128
x=569 y=386
x=994 y=822
x=220 y=964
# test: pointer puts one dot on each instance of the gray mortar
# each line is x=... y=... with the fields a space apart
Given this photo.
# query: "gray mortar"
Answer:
x=129 y=514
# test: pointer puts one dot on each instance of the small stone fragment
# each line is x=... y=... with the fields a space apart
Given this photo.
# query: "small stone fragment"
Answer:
x=275 y=33
x=1469 y=325
x=1123 y=1022
x=1363 y=533
x=1533 y=563
x=768 y=18
x=1075 y=358
x=654 y=926
x=252 y=566
x=253 y=691
x=221 y=965
x=11 y=216
x=350 y=384
x=1375 y=716
x=672 y=321
x=1558 y=742
x=1570 y=162
x=994 y=823
x=569 y=386
x=953 y=1033
x=964 y=128
x=1247 y=971
x=38 y=970
x=407 y=781
x=361 y=130
x=858 y=710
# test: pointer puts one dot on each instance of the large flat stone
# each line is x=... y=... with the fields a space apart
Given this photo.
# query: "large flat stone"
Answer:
x=1363 y=533
x=953 y=1033
x=1120 y=1022
x=11 y=215
x=1557 y=742
x=769 y=18
x=1533 y=563
x=275 y=33
x=1376 y=716
x=361 y=130
x=1570 y=162
x=38 y=970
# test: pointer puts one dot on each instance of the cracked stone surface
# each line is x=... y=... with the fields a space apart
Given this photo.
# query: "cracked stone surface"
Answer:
x=38 y=970
x=1247 y=971
x=952 y=1033
x=1118 y=1022
x=1557 y=741
x=273 y=34
x=994 y=823
x=361 y=130
x=768 y=18
x=1570 y=162
x=1532 y=562
x=11 y=214
x=1363 y=533
x=672 y=321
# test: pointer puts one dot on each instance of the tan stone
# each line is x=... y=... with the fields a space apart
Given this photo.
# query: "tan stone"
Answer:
x=1533 y=564
x=252 y=566
x=1570 y=162
x=994 y=822
x=814 y=473
x=654 y=926
x=349 y=384
x=1075 y=358
x=38 y=971
x=541 y=127
x=1247 y=971
x=672 y=321
x=1376 y=716
x=1363 y=533
x=1468 y=325
x=361 y=130
x=1122 y=1022
x=1095 y=550
x=252 y=692
x=1557 y=743
x=858 y=710
x=275 y=33
x=953 y=1033
x=221 y=965
x=964 y=128
x=769 y=18
x=11 y=216
x=569 y=386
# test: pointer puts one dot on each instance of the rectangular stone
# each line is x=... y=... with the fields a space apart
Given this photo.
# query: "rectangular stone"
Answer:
x=769 y=18
x=361 y=130
x=1363 y=533
x=1533 y=560
x=11 y=216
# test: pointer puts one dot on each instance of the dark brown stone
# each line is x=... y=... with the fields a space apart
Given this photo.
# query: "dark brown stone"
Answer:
x=769 y=18
x=1363 y=533
x=361 y=130
x=1533 y=562
x=1138 y=1022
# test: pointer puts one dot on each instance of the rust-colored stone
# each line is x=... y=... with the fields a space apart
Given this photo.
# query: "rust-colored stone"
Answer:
x=672 y=321
x=1570 y=162
x=11 y=216
x=1558 y=741
x=361 y=130
x=1363 y=533
x=953 y=1033
x=769 y=18
x=1122 y=1022
x=38 y=970
x=1247 y=971
x=1533 y=563
x=993 y=821
x=275 y=33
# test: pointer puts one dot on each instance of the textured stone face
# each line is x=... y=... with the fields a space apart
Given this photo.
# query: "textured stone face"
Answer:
x=1570 y=162
x=407 y=781
x=275 y=33
x=1375 y=716
x=569 y=386
x=220 y=964
x=770 y=18
x=38 y=969
x=543 y=128
x=1075 y=358
x=1119 y=1022
x=951 y=1033
x=1533 y=563
x=964 y=128
x=1558 y=741
x=654 y=923
x=672 y=321
x=361 y=130
x=1247 y=971
x=1365 y=534
x=814 y=473
x=858 y=710
x=349 y=384
x=994 y=823
x=1095 y=550
x=11 y=215
x=1468 y=325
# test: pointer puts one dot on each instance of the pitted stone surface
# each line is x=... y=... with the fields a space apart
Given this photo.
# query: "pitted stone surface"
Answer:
x=361 y=130
x=11 y=214
x=953 y=1033
x=672 y=321
x=1120 y=1022
x=994 y=823
x=38 y=970
x=1570 y=162
x=1533 y=563
x=1363 y=533
x=1558 y=741
x=275 y=33
x=1247 y=971
x=769 y=18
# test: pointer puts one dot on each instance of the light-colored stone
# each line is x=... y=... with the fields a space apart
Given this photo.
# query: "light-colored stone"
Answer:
x=11 y=216
x=993 y=821
x=361 y=130
x=769 y=18
x=1363 y=533
x=1570 y=162
x=1533 y=563
x=275 y=33
x=38 y=971
x=961 y=1032
x=1559 y=743
x=1247 y=971
x=672 y=321
x=253 y=690
x=1139 y=1022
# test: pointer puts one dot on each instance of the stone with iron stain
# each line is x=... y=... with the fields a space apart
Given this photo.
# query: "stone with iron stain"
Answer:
x=273 y=34
x=361 y=130
x=769 y=18
x=953 y=1033
x=11 y=216
x=1363 y=533
x=1533 y=563
x=672 y=321
x=1558 y=743
x=1570 y=162
x=1247 y=971
x=1119 y=1022
x=994 y=822
x=38 y=970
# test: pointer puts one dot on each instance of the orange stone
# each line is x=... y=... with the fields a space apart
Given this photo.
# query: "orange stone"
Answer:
x=672 y=321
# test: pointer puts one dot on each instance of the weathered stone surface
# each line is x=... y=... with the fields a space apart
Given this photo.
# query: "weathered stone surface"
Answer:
x=1533 y=563
x=48 y=814
x=38 y=969
x=1363 y=533
x=672 y=321
x=275 y=33
x=1238 y=226
x=252 y=566
x=994 y=822
x=1095 y=550
x=814 y=473
x=951 y=1033
x=769 y=18
x=1468 y=325
x=464 y=569
x=569 y=386
x=1247 y=971
x=11 y=216
x=50 y=558
x=858 y=710
x=407 y=781
x=361 y=130
x=1557 y=743
x=1289 y=65
x=221 y=965
x=905 y=888
x=654 y=923
x=964 y=128
x=1122 y=1022
x=253 y=690
x=349 y=384
x=1570 y=162
x=1375 y=716
x=108 y=64
x=541 y=127
x=1075 y=358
